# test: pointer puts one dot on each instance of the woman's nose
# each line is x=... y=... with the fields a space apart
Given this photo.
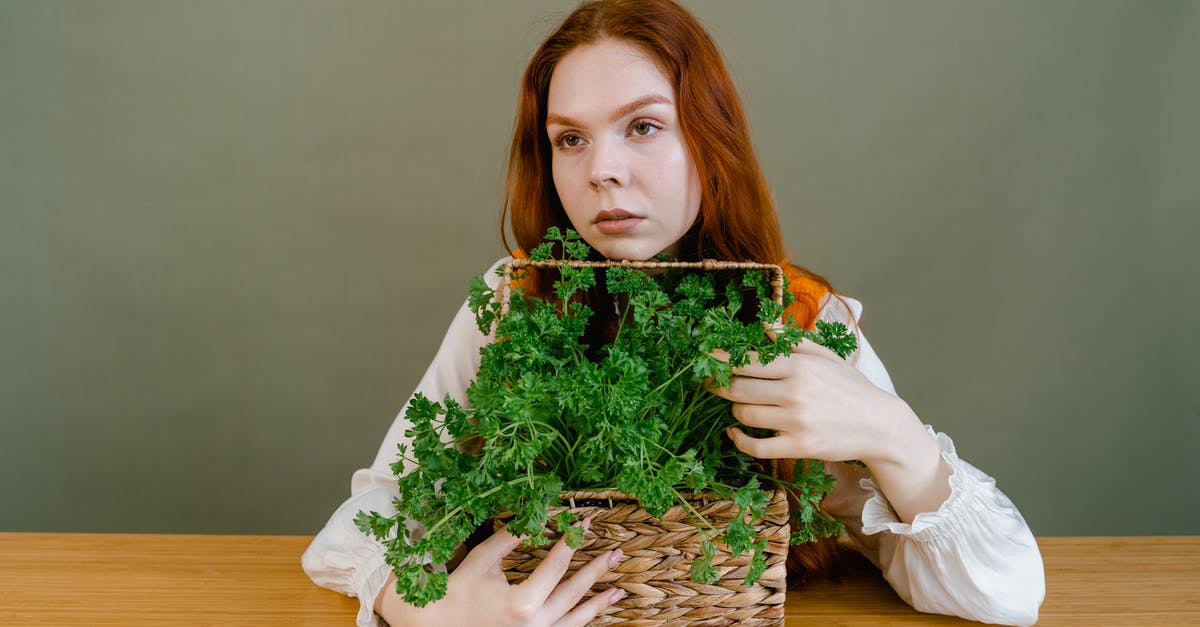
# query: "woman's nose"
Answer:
x=608 y=166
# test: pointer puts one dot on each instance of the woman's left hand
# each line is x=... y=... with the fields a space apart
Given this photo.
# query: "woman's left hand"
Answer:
x=818 y=404
x=821 y=407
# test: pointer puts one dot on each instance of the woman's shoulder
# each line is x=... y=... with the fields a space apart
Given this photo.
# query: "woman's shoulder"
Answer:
x=836 y=307
x=816 y=300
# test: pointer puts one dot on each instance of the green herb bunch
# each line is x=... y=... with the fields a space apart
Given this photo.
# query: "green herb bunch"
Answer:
x=554 y=414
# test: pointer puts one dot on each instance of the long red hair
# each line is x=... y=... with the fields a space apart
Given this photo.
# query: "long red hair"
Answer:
x=737 y=219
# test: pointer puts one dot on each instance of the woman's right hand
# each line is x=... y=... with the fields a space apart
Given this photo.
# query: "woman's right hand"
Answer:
x=478 y=592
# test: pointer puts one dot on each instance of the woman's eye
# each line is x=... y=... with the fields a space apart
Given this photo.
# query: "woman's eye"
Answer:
x=570 y=141
x=644 y=128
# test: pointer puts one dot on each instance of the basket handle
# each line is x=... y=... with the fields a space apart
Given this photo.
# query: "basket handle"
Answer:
x=708 y=265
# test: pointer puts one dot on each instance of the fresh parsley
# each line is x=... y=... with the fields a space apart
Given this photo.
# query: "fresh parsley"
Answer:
x=548 y=413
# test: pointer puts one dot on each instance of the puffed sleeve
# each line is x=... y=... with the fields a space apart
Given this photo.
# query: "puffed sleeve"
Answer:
x=974 y=557
x=341 y=557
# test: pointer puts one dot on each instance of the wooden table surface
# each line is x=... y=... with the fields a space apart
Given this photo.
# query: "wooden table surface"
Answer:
x=196 y=580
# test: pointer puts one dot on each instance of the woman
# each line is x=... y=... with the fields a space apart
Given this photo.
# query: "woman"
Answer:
x=629 y=130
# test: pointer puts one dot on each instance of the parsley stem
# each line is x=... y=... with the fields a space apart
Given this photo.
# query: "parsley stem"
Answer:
x=510 y=430
x=664 y=384
x=458 y=510
x=697 y=517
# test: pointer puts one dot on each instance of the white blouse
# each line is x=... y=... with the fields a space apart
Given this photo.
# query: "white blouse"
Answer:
x=974 y=557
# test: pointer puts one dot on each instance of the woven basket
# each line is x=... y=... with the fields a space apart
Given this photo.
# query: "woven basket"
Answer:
x=659 y=552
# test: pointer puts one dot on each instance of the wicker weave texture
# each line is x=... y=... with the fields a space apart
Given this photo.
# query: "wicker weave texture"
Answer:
x=655 y=571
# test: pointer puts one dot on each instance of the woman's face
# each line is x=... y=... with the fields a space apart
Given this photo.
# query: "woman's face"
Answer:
x=620 y=165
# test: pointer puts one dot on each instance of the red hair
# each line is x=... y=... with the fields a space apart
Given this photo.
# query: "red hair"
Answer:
x=737 y=219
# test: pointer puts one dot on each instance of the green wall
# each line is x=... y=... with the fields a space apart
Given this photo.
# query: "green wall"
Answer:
x=232 y=234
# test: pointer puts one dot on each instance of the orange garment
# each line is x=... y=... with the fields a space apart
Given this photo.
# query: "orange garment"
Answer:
x=809 y=295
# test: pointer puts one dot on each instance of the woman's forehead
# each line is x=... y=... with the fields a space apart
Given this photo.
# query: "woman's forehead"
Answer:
x=596 y=80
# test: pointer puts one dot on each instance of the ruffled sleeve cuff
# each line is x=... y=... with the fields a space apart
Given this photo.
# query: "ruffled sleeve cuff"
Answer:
x=974 y=557
x=360 y=574
x=343 y=559
x=965 y=487
x=368 y=581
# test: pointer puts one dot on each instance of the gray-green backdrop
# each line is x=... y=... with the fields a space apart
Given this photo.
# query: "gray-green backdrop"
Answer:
x=232 y=233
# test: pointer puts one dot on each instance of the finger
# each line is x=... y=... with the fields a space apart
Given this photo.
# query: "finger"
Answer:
x=762 y=448
x=752 y=391
x=585 y=612
x=545 y=577
x=568 y=593
x=488 y=554
x=775 y=370
x=781 y=368
x=724 y=355
x=809 y=347
x=760 y=416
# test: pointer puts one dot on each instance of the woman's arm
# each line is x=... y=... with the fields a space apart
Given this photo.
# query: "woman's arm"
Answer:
x=947 y=540
x=344 y=559
x=910 y=470
x=341 y=557
x=822 y=407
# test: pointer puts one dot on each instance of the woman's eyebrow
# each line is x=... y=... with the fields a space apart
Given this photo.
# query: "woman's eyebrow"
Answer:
x=621 y=111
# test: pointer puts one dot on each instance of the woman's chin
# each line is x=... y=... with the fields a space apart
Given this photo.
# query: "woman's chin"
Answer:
x=619 y=252
x=631 y=247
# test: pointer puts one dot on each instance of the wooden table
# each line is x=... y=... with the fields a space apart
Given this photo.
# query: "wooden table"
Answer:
x=165 y=580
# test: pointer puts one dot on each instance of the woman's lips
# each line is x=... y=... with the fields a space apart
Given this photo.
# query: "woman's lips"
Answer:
x=616 y=221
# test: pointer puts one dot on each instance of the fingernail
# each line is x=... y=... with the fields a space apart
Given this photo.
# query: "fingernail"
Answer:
x=587 y=523
x=617 y=595
x=615 y=558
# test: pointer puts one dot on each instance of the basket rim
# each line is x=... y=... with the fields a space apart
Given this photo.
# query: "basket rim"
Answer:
x=618 y=496
x=615 y=498
x=778 y=276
